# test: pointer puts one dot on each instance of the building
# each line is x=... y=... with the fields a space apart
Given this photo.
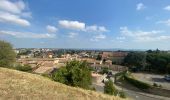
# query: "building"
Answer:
x=116 y=57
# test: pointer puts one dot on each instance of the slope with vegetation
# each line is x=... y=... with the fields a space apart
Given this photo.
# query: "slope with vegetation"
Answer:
x=25 y=86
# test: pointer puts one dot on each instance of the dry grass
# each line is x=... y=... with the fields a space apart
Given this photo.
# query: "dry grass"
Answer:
x=16 y=85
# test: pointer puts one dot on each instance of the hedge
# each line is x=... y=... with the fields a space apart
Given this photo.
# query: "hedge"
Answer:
x=137 y=83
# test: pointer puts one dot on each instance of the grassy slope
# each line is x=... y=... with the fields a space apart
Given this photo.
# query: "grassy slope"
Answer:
x=18 y=85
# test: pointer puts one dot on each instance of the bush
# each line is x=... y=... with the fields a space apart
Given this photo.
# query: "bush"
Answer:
x=109 y=88
x=60 y=75
x=104 y=70
x=160 y=86
x=25 y=68
x=155 y=84
x=93 y=88
x=75 y=73
x=137 y=83
x=122 y=94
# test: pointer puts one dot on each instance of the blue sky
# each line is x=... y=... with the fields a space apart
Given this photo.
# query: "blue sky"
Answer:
x=126 y=24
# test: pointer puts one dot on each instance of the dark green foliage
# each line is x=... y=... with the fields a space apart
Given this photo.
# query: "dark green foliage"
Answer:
x=104 y=61
x=60 y=75
x=158 y=62
x=155 y=84
x=7 y=55
x=104 y=70
x=122 y=94
x=135 y=59
x=109 y=88
x=25 y=68
x=93 y=88
x=74 y=74
x=153 y=61
x=137 y=83
x=99 y=57
x=168 y=68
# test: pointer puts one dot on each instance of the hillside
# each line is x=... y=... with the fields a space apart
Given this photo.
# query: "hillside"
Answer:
x=18 y=85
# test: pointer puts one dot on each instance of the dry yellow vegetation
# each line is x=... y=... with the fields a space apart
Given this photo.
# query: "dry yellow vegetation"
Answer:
x=16 y=85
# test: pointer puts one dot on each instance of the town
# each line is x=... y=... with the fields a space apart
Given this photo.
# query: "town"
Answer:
x=47 y=60
x=84 y=50
x=104 y=65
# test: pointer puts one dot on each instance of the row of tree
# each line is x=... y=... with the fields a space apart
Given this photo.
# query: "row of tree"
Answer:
x=151 y=61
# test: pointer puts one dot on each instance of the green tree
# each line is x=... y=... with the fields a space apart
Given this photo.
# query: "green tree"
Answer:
x=104 y=70
x=99 y=57
x=7 y=55
x=168 y=68
x=75 y=73
x=60 y=75
x=136 y=59
x=109 y=88
x=158 y=62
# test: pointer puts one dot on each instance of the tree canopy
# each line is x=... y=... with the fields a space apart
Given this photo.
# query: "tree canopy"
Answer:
x=7 y=55
x=109 y=88
x=152 y=61
x=75 y=73
x=135 y=59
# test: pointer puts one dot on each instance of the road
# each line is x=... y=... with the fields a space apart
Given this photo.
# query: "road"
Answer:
x=152 y=78
x=140 y=96
x=132 y=94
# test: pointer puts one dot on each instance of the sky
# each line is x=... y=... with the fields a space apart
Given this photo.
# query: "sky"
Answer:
x=104 y=24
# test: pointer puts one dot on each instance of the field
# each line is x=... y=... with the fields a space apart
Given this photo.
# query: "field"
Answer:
x=16 y=85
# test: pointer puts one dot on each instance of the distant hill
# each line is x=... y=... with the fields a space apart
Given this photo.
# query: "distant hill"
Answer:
x=16 y=85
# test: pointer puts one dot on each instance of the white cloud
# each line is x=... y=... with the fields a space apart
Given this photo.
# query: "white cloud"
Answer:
x=13 y=12
x=140 y=6
x=72 y=35
x=91 y=28
x=95 y=28
x=26 y=14
x=120 y=38
x=143 y=36
x=167 y=22
x=102 y=29
x=13 y=7
x=76 y=25
x=27 y=34
x=14 y=19
x=167 y=8
x=98 y=37
x=51 y=29
x=125 y=31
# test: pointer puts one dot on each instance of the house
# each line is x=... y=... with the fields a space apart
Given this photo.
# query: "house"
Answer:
x=50 y=54
x=116 y=57
x=98 y=78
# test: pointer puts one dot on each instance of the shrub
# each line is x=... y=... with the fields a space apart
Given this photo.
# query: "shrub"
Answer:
x=160 y=86
x=93 y=88
x=155 y=84
x=104 y=70
x=109 y=88
x=137 y=83
x=25 y=68
x=122 y=94
x=75 y=73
